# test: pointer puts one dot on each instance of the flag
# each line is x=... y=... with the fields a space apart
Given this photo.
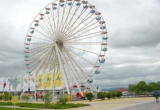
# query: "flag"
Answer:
x=58 y=80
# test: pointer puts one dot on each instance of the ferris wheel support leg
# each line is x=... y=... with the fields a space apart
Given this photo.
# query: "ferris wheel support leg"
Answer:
x=70 y=72
x=61 y=66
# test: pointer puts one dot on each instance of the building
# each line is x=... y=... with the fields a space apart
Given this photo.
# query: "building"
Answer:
x=123 y=90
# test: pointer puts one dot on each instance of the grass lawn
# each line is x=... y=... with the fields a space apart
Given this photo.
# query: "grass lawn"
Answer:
x=3 y=108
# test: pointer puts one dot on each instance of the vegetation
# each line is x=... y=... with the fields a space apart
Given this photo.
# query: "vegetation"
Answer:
x=51 y=106
x=89 y=96
x=101 y=95
x=47 y=98
x=3 y=108
x=118 y=94
x=109 y=95
x=143 y=88
x=114 y=95
x=63 y=100
x=26 y=98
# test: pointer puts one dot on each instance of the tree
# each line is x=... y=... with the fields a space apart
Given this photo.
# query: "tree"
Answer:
x=89 y=96
x=113 y=95
x=26 y=98
x=118 y=94
x=63 y=100
x=141 y=87
x=132 y=88
x=152 y=87
x=47 y=98
x=101 y=95
x=109 y=95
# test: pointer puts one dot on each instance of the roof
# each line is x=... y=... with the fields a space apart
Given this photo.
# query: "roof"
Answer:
x=122 y=89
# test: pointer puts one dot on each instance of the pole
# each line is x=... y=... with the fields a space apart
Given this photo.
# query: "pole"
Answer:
x=14 y=106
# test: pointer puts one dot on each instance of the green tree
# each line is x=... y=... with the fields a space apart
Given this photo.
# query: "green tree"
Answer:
x=118 y=94
x=109 y=95
x=101 y=95
x=47 y=98
x=141 y=88
x=89 y=96
x=152 y=87
x=26 y=98
x=132 y=88
x=113 y=95
x=63 y=100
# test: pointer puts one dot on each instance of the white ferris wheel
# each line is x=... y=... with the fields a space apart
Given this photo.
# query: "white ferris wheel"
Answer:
x=68 y=36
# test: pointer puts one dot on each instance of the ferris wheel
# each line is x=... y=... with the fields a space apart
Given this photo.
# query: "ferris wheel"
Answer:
x=68 y=36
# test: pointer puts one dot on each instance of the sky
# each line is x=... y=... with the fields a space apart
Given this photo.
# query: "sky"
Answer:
x=133 y=46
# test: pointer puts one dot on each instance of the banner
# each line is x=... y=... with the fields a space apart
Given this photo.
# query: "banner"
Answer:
x=19 y=83
x=49 y=80
x=40 y=81
x=32 y=83
x=58 y=80
x=1 y=84
x=25 y=83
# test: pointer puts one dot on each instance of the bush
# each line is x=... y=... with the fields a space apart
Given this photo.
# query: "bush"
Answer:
x=26 y=98
x=47 y=98
x=89 y=96
x=101 y=95
x=1 y=97
x=118 y=94
x=109 y=95
x=63 y=100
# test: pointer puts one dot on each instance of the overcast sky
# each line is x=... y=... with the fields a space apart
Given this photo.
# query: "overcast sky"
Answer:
x=134 y=39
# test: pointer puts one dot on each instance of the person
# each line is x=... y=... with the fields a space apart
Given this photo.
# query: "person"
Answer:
x=36 y=96
x=157 y=97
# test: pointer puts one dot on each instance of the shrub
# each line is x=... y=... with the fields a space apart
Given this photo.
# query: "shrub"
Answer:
x=47 y=98
x=118 y=94
x=26 y=98
x=63 y=100
x=109 y=95
x=101 y=95
x=89 y=96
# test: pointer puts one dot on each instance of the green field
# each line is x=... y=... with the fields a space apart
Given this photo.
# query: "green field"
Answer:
x=3 y=108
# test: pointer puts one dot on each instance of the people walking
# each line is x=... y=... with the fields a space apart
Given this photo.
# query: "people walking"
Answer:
x=157 y=97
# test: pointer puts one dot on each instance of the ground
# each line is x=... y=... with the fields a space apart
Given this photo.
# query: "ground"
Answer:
x=119 y=104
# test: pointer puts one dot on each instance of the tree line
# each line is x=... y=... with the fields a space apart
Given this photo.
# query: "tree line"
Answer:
x=142 y=87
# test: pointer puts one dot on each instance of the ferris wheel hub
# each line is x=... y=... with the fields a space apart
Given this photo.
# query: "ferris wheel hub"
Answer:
x=57 y=42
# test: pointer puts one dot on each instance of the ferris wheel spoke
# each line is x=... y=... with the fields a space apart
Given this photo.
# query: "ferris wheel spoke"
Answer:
x=53 y=19
x=30 y=56
x=84 y=28
x=83 y=43
x=41 y=39
x=49 y=58
x=62 y=16
x=99 y=32
x=72 y=28
x=51 y=26
x=45 y=29
x=36 y=57
x=81 y=57
x=81 y=13
x=48 y=24
x=41 y=63
x=48 y=28
x=43 y=34
x=84 y=32
x=85 y=37
x=75 y=79
x=37 y=48
x=64 y=25
x=81 y=50
x=74 y=60
x=73 y=64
